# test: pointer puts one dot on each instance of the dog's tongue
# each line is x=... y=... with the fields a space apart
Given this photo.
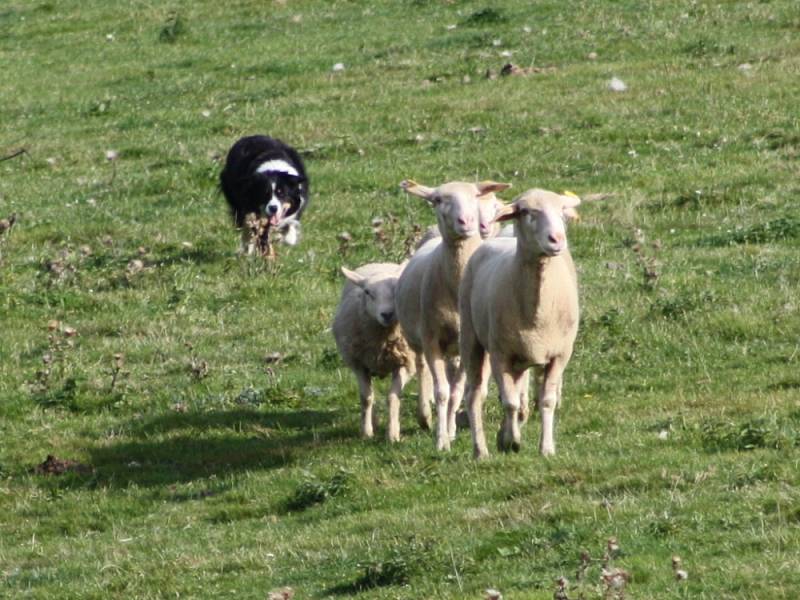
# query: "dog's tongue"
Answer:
x=274 y=220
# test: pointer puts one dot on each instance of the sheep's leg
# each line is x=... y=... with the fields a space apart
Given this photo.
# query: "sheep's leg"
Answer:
x=457 y=378
x=477 y=374
x=367 y=400
x=399 y=380
x=425 y=393
x=524 y=398
x=558 y=401
x=508 y=437
x=549 y=398
x=441 y=389
x=475 y=365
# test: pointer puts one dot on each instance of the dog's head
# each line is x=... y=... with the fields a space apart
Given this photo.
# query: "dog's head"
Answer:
x=283 y=189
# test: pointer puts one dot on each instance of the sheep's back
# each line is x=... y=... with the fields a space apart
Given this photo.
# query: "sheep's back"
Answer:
x=386 y=269
x=408 y=292
x=558 y=304
x=533 y=328
x=365 y=344
x=347 y=328
x=485 y=273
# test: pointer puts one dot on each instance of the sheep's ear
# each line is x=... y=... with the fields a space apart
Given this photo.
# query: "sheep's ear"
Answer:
x=570 y=199
x=353 y=277
x=506 y=213
x=487 y=187
x=415 y=189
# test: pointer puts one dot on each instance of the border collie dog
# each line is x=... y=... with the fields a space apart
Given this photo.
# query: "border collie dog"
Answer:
x=265 y=178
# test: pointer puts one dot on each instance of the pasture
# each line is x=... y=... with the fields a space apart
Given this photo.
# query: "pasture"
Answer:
x=213 y=431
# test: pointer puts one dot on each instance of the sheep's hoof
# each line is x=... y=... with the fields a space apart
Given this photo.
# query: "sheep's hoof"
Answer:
x=502 y=446
x=507 y=443
x=481 y=453
x=452 y=429
x=367 y=428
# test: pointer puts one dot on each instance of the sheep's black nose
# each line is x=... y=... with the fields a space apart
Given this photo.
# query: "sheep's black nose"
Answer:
x=387 y=317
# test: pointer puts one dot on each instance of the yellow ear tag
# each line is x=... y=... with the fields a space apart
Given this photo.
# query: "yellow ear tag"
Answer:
x=569 y=193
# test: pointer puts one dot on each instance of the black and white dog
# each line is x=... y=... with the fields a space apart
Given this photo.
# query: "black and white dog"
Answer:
x=266 y=178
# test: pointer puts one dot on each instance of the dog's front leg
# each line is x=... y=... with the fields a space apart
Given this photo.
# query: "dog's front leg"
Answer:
x=291 y=232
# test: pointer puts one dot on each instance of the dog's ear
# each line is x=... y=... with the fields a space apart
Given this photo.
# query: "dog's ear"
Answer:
x=353 y=277
x=294 y=179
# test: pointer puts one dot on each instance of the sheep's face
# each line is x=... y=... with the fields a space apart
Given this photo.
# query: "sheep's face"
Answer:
x=378 y=298
x=456 y=208
x=377 y=295
x=457 y=205
x=540 y=221
x=487 y=211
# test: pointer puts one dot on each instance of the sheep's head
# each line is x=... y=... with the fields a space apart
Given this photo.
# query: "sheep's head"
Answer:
x=456 y=204
x=540 y=220
x=377 y=295
x=488 y=207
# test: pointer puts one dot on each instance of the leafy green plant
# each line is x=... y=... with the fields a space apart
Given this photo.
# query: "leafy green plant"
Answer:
x=172 y=28
x=313 y=491
x=404 y=560
x=485 y=16
x=780 y=229
x=764 y=432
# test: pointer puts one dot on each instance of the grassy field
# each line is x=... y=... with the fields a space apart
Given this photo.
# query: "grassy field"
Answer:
x=213 y=428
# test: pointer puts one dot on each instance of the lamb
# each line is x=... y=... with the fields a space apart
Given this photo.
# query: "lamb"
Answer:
x=370 y=342
x=518 y=302
x=427 y=294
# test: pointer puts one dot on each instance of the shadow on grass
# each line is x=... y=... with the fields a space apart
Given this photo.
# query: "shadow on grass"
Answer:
x=346 y=589
x=167 y=256
x=784 y=385
x=180 y=447
x=282 y=421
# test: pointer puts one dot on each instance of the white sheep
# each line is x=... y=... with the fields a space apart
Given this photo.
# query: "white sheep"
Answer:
x=427 y=294
x=488 y=207
x=370 y=341
x=518 y=302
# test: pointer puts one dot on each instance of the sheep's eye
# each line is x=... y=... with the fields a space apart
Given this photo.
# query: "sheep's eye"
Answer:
x=368 y=293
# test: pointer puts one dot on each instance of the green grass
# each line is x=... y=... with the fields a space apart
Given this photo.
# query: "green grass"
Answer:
x=216 y=473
